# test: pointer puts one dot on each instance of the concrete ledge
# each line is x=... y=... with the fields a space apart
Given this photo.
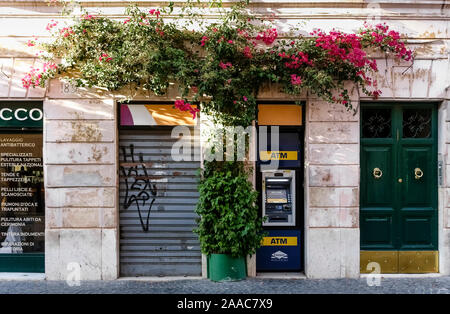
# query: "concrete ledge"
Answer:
x=281 y=275
x=22 y=276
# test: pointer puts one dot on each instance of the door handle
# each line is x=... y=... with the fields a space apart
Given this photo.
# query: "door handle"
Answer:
x=418 y=173
x=377 y=173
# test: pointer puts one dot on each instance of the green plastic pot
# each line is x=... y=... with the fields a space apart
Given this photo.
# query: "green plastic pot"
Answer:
x=223 y=267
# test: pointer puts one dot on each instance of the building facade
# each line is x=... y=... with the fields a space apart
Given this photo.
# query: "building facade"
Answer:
x=375 y=184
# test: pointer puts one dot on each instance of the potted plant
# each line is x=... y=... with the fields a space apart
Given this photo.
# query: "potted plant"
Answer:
x=229 y=228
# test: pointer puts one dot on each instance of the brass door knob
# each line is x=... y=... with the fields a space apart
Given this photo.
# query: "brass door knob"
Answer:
x=418 y=173
x=377 y=173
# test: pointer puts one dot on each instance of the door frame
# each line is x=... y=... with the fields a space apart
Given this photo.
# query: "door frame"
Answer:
x=396 y=124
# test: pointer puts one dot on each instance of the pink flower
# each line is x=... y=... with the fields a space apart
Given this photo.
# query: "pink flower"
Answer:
x=230 y=41
x=245 y=98
x=66 y=31
x=247 y=52
x=295 y=61
x=225 y=65
x=204 y=40
x=376 y=94
x=155 y=12
x=180 y=104
x=31 y=43
x=88 y=17
x=296 y=80
x=48 y=66
x=243 y=33
x=51 y=25
x=33 y=78
x=268 y=36
x=105 y=57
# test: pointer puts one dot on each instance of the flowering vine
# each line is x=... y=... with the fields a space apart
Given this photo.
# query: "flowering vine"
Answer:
x=219 y=66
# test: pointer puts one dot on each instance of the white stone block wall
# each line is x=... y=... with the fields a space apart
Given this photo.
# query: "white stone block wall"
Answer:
x=331 y=191
x=80 y=145
x=444 y=189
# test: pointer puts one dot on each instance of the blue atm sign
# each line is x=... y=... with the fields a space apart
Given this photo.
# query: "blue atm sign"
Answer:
x=280 y=250
x=21 y=115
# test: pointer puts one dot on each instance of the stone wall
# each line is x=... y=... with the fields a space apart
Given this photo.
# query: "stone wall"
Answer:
x=332 y=191
x=444 y=189
x=81 y=182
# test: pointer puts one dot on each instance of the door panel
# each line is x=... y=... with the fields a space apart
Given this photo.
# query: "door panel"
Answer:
x=377 y=230
x=417 y=230
x=399 y=208
x=416 y=168
x=377 y=212
x=377 y=187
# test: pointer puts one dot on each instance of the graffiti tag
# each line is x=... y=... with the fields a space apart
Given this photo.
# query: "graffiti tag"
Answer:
x=139 y=189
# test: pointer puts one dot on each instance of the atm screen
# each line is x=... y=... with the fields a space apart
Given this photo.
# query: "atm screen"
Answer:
x=276 y=196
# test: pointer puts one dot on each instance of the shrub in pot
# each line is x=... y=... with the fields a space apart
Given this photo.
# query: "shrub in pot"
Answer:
x=229 y=228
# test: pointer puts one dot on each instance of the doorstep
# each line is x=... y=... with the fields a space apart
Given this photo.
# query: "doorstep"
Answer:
x=281 y=275
x=160 y=278
x=398 y=276
x=22 y=276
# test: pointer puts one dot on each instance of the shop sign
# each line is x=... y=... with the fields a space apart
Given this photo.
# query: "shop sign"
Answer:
x=22 y=223
x=21 y=115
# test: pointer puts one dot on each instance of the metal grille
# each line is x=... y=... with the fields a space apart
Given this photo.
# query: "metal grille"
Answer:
x=157 y=201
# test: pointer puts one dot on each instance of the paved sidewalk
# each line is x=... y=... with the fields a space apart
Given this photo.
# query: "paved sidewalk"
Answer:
x=428 y=285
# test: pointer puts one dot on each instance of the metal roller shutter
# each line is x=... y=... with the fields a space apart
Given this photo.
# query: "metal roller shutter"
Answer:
x=149 y=178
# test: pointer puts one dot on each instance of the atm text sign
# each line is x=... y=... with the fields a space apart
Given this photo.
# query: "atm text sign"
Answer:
x=279 y=241
x=278 y=155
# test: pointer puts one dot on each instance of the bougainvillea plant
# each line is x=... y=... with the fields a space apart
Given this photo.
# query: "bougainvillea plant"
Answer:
x=220 y=65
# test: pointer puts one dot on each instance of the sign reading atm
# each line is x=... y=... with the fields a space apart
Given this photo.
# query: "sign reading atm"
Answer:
x=278 y=155
x=21 y=114
x=271 y=241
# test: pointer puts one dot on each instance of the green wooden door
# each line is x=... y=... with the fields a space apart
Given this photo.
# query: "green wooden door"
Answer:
x=399 y=177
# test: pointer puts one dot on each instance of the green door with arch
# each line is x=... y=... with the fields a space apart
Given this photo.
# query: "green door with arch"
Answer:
x=398 y=216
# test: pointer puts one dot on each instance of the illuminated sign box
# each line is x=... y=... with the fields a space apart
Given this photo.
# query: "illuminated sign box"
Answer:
x=21 y=114
x=279 y=115
x=154 y=115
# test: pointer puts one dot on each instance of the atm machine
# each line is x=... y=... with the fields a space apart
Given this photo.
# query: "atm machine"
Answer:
x=281 y=200
x=278 y=195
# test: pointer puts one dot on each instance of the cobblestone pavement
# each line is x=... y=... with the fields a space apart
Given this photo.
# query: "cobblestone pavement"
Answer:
x=432 y=285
